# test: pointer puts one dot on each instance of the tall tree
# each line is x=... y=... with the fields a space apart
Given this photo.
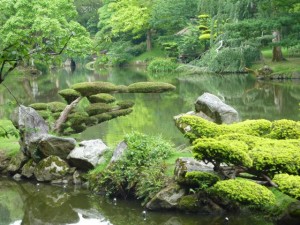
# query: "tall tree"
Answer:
x=41 y=29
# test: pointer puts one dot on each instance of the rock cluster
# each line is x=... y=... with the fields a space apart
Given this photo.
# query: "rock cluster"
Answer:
x=48 y=158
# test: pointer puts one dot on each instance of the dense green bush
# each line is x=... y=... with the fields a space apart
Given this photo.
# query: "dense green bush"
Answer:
x=226 y=151
x=140 y=170
x=288 y=184
x=199 y=179
x=244 y=192
x=285 y=129
x=69 y=94
x=93 y=88
x=102 y=97
x=98 y=108
x=161 y=65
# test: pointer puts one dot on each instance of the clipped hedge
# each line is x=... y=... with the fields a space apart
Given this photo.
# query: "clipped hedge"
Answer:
x=98 y=108
x=56 y=106
x=39 y=106
x=120 y=112
x=150 y=87
x=244 y=192
x=285 y=129
x=93 y=88
x=102 y=117
x=125 y=104
x=101 y=98
x=226 y=151
x=288 y=184
x=69 y=95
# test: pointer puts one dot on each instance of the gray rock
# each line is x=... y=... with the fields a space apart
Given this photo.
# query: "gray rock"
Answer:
x=87 y=155
x=51 y=168
x=77 y=178
x=119 y=151
x=58 y=146
x=17 y=177
x=189 y=164
x=28 y=168
x=167 y=198
x=30 y=125
x=214 y=108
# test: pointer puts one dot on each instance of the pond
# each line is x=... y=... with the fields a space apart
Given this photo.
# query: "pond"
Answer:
x=153 y=113
x=31 y=204
x=27 y=203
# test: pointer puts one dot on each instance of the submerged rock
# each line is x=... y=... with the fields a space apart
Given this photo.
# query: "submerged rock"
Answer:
x=51 y=168
x=87 y=155
x=167 y=198
x=216 y=109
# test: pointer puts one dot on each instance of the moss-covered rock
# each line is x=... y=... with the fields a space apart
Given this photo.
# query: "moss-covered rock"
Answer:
x=289 y=185
x=69 y=94
x=102 y=97
x=150 y=87
x=189 y=203
x=244 y=192
x=51 y=168
x=28 y=168
x=98 y=108
x=93 y=88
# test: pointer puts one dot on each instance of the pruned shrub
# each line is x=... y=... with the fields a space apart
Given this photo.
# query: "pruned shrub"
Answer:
x=288 y=184
x=93 y=88
x=199 y=179
x=102 y=97
x=285 y=129
x=98 y=108
x=244 y=192
x=150 y=87
x=69 y=94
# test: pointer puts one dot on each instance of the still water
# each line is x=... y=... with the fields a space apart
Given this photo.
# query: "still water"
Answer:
x=26 y=203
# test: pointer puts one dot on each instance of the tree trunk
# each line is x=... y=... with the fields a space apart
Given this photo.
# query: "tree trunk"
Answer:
x=149 y=44
x=277 y=53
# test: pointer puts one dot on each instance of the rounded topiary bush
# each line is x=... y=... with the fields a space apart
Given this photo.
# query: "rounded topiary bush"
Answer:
x=93 y=88
x=125 y=104
x=39 y=106
x=288 y=184
x=98 y=108
x=150 y=87
x=285 y=129
x=244 y=192
x=56 y=106
x=101 y=98
x=69 y=94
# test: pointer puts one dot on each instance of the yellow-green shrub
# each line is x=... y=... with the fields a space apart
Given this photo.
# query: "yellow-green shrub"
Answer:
x=288 y=184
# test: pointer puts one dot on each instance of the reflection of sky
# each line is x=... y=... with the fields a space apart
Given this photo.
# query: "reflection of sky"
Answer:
x=82 y=221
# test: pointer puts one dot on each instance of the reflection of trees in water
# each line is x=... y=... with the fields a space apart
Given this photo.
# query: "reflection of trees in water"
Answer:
x=4 y=214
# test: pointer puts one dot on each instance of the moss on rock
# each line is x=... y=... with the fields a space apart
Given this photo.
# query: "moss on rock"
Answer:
x=101 y=98
x=189 y=203
x=69 y=94
x=150 y=87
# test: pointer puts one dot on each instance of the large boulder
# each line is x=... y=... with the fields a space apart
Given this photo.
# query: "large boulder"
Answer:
x=87 y=155
x=52 y=145
x=216 y=109
x=51 y=168
x=30 y=124
x=167 y=198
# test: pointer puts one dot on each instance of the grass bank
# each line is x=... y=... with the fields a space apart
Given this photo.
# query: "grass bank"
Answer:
x=8 y=142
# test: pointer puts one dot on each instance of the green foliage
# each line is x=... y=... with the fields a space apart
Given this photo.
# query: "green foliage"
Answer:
x=140 y=168
x=93 y=88
x=69 y=94
x=161 y=65
x=8 y=138
x=199 y=179
x=39 y=106
x=56 y=106
x=285 y=129
x=98 y=108
x=119 y=112
x=102 y=97
x=244 y=192
x=150 y=87
x=288 y=184
x=227 y=151
x=125 y=104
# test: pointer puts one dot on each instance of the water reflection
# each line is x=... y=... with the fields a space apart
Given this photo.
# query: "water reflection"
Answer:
x=253 y=99
x=25 y=203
